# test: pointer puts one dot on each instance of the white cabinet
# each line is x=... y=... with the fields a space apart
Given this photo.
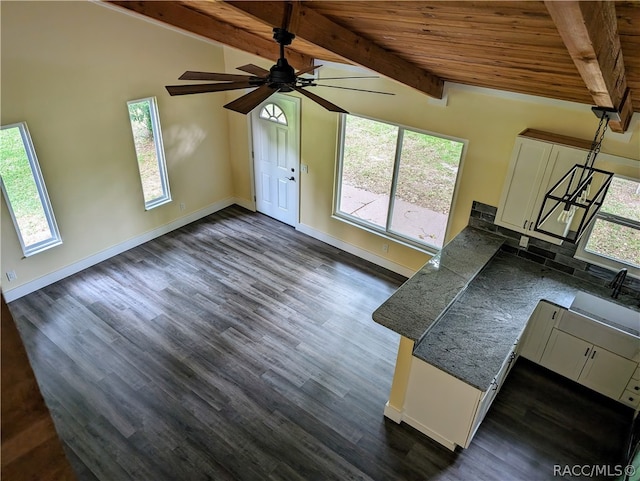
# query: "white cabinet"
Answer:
x=491 y=394
x=566 y=354
x=589 y=364
x=445 y=408
x=538 y=330
x=607 y=372
x=536 y=166
x=631 y=395
x=520 y=191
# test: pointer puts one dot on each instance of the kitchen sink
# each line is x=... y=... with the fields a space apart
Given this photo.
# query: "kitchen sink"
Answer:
x=602 y=310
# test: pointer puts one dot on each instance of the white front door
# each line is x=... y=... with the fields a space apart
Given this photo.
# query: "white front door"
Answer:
x=275 y=126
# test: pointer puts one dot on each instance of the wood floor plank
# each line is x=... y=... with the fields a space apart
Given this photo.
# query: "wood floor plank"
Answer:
x=236 y=348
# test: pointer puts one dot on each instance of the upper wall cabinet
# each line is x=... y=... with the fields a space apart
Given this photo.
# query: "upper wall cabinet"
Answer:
x=538 y=161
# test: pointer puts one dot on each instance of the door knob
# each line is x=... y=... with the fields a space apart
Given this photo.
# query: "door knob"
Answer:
x=291 y=178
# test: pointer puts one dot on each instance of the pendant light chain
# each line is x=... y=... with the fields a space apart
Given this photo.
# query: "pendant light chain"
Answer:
x=597 y=141
x=591 y=156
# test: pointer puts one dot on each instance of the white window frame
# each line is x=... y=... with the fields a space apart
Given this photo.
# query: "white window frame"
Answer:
x=159 y=146
x=278 y=119
x=386 y=231
x=55 y=238
x=599 y=259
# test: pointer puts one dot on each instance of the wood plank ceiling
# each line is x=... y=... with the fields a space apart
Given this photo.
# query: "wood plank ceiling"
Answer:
x=525 y=47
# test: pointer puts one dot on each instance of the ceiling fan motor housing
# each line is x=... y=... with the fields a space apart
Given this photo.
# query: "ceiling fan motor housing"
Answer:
x=282 y=74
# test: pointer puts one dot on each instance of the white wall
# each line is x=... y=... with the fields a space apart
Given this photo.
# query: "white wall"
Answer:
x=488 y=119
x=68 y=70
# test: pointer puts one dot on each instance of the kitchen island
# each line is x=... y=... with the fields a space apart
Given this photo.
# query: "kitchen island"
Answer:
x=460 y=317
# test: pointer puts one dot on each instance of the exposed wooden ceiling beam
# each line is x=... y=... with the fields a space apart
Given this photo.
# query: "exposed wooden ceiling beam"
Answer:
x=589 y=30
x=319 y=30
x=183 y=17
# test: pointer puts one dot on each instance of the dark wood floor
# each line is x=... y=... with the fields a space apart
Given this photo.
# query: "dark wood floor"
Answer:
x=238 y=348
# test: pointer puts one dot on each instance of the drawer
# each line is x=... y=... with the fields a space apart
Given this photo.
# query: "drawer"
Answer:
x=634 y=386
x=630 y=399
x=636 y=375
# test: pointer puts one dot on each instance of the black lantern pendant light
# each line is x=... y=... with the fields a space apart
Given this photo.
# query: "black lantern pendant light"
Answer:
x=576 y=198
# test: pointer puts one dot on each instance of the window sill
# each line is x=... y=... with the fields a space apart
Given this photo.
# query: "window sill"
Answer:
x=37 y=249
x=386 y=235
x=157 y=203
x=607 y=263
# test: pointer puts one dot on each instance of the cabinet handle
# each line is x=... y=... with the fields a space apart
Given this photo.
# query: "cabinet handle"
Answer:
x=593 y=354
x=586 y=353
x=530 y=225
x=554 y=315
x=524 y=226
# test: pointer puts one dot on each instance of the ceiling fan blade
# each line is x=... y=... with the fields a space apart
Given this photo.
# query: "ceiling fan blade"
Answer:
x=250 y=101
x=223 y=77
x=254 y=69
x=357 y=90
x=204 y=88
x=307 y=70
x=320 y=101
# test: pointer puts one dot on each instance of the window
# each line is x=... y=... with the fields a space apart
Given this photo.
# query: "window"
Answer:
x=273 y=113
x=147 y=138
x=24 y=190
x=396 y=181
x=613 y=239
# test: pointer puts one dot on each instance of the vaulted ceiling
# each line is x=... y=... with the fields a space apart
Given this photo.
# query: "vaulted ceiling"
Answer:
x=586 y=52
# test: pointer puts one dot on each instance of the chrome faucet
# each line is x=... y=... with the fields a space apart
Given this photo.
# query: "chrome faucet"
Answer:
x=616 y=282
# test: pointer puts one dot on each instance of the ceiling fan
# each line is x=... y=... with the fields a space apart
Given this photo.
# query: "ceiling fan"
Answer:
x=280 y=78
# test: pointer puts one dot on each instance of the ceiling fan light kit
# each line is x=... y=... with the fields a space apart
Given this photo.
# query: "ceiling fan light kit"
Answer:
x=577 y=197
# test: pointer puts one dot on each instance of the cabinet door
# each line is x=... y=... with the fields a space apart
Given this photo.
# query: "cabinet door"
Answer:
x=483 y=408
x=538 y=330
x=561 y=160
x=566 y=354
x=607 y=372
x=491 y=393
x=522 y=184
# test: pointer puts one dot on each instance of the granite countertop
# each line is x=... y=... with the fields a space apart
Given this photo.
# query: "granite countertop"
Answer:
x=474 y=337
x=413 y=308
x=467 y=306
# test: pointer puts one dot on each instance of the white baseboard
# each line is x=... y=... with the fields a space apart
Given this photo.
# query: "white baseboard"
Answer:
x=29 y=287
x=392 y=413
x=357 y=251
x=247 y=204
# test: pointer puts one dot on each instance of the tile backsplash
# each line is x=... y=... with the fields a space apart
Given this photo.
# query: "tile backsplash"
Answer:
x=551 y=255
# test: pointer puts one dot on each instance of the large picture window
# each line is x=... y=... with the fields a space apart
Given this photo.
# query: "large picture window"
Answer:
x=397 y=181
x=147 y=138
x=25 y=192
x=613 y=239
